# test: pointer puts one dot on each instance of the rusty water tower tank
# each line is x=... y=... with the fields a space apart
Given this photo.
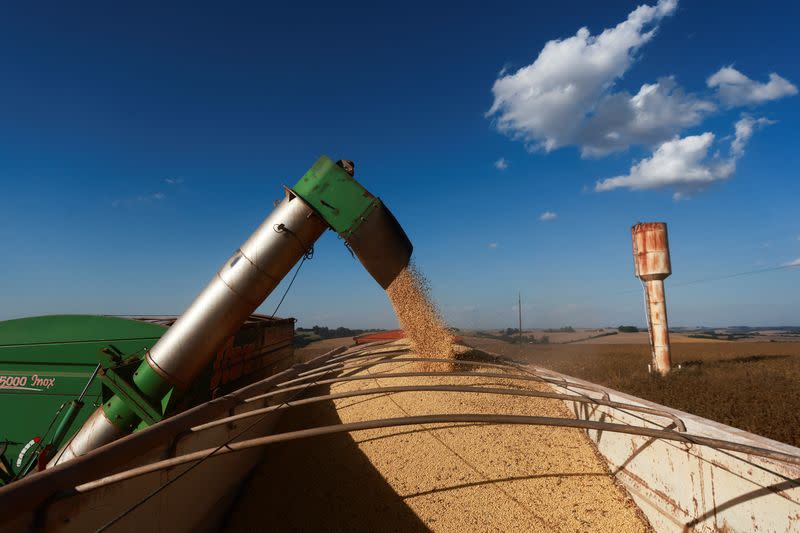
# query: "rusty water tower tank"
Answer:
x=652 y=265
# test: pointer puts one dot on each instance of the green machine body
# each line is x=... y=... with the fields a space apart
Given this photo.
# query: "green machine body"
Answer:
x=364 y=222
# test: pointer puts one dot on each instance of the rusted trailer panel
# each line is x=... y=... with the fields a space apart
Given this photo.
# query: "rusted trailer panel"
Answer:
x=392 y=335
x=261 y=347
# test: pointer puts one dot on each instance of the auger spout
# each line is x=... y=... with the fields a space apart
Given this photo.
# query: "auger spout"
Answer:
x=327 y=196
x=361 y=219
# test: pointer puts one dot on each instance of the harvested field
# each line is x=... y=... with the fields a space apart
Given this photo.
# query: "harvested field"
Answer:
x=751 y=386
x=607 y=336
x=440 y=477
x=643 y=337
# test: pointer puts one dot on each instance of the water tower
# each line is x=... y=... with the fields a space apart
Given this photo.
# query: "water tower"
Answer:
x=652 y=265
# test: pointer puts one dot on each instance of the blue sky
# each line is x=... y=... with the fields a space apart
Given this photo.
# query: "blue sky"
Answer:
x=140 y=144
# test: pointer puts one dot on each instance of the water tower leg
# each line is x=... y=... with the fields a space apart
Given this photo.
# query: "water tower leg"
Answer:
x=657 y=322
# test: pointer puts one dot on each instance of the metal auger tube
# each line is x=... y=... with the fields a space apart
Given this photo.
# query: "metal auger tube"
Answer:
x=327 y=196
x=238 y=288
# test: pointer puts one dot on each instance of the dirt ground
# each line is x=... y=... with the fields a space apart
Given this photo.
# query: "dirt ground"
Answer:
x=749 y=385
x=443 y=477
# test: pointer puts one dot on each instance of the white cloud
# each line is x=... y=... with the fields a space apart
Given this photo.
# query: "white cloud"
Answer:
x=681 y=163
x=547 y=216
x=795 y=263
x=684 y=163
x=736 y=89
x=564 y=97
x=173 y=181
x=567 y=97
x=501 y=164
x=492 y=245
x=654 y=114
x=744 y=130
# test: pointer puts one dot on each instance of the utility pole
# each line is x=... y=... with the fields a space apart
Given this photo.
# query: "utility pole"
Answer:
x=519 y=308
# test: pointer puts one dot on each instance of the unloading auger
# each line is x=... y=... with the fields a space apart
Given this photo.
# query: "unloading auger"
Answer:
x=327 y=196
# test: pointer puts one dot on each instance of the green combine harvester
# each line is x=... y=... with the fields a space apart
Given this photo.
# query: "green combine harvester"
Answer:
x=71 y=385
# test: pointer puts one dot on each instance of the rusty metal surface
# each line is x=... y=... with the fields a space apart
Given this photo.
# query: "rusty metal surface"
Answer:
x=652 y=265
x=261 y=347
x=391 y=335
x=657 y=326
x=651 y=250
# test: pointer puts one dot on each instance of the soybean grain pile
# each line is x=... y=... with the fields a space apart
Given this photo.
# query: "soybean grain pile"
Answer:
x=433 y=477
x=418 y=316
x=754 y=386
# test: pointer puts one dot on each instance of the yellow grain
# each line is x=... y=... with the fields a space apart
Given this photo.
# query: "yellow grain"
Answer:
x=418 y=316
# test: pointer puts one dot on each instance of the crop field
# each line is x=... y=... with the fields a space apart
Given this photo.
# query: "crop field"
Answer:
x=753 y=386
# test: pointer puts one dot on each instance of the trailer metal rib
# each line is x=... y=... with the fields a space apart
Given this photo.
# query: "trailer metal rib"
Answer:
x=676 y=421
x=439 y=419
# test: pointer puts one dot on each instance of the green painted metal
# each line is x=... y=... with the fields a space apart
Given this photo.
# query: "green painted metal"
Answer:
x=46 y=361
x=141 y=396
x=336 y=196
x=72 y=339
x=150 y=382
x=71 y=412
x=125 y=402
x=127 y=398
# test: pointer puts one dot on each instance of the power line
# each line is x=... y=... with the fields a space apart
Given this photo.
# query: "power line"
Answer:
x=738 y=274
x=726 y=276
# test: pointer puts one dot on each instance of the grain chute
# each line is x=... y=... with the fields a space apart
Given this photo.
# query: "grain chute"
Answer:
x=327 y=196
